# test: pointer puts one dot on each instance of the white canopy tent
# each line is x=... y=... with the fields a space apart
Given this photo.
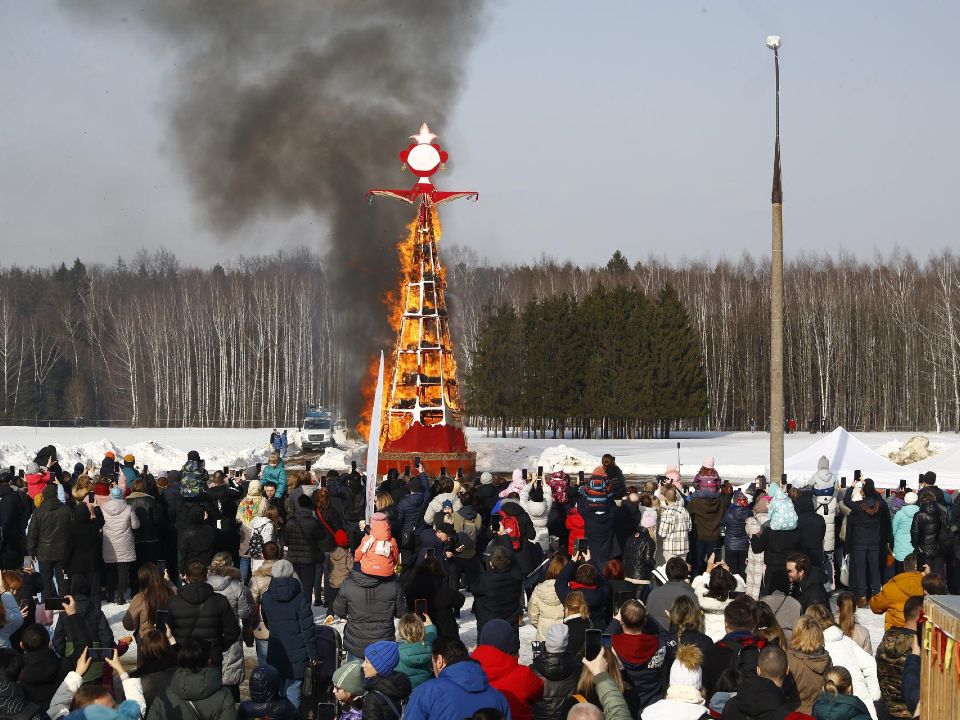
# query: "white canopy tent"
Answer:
x=945 y=464
x=846 y=454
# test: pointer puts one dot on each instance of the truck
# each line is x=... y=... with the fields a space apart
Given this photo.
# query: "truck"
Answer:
x=320 y=431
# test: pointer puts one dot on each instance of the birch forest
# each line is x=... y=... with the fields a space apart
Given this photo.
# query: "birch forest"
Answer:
x=871 y=345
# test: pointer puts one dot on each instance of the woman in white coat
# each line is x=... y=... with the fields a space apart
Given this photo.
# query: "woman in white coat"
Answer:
x=846 y=653
x=713 y=590
x=436 y=505
x=545 y=608
x=537 y=499
x=119 y=550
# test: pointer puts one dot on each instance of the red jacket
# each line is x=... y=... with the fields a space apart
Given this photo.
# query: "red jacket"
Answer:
x=36 y=482
x=574 y=524
x=518 y=683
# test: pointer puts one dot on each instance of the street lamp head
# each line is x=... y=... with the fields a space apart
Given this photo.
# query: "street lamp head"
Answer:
x=773 y=42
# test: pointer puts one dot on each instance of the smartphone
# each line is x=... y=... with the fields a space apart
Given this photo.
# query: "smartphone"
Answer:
x=606 y=641
x=226 y=470
x=593 y=644
x=443 y=471
x=843 y=481
x=903 y=483
x=539 y=470
x=494 y=523
x=420 y=607
x=146 y=469
x=416 y=461
x=307 y=465
x=90 y=496
x=783 y=479
x=460 y=473
x=887 y=493
x=524 y=471
x=789 y=485
x=163 y=619
x=581 y=476
x=537 y=648
x=353 y=465
x=582 y=546
x=920 y=480
x=13 y=470
x=621 y=597
x=856 y=475
x=99 y=654
x=116 y=466
x=326 y=711
x=406 y=469
x=259 y=468
x=431 y=553
x=20 y=472
x=53 y=603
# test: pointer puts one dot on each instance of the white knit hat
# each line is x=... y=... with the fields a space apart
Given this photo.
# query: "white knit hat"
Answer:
x=910 y=498
x=680 y=674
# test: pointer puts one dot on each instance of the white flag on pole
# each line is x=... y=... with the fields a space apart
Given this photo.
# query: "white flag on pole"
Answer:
x=373 y=442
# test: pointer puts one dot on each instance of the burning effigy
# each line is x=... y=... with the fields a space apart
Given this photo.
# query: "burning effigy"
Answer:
x=421 y=412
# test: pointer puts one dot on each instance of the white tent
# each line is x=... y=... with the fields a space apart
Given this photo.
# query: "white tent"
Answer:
x=846 y=454
x=946 y=464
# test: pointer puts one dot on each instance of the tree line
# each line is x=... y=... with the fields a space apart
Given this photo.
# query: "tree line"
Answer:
x=614 y=364
x=869 y=344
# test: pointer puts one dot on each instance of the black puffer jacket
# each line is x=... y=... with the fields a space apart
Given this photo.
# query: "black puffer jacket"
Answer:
x=395 y=686
x=332 y=519
x=93 y=618
x=639 y=556
x=560 y=673
x=222 y=502
x=410 y=511
x=626 y=520
x=369 y=604
x=925 y=530
x=303 y=534
x=195 y=539
x=12 y=511
x=776 y=545
x=867 y=518
x=49 y=528
x=266 y=697
x=497 y=594
x=148 y=512
x=84 y=541
x=200 y=612
x=733 y=523
x=488 y=495
x=441 y=601
x=812 y=527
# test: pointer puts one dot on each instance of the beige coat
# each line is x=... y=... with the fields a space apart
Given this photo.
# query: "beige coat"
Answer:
x=545 y=608
x=259 y=582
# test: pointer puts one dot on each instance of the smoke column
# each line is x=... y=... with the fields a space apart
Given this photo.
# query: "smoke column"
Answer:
x=281 y=106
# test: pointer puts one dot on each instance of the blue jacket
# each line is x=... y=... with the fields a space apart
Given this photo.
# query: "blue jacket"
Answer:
x=733 y=522
x=902 y=521
x=408 y=511
x=911 y=682
x=459 y=691
x=277 y=475
x=598 y=598
x=287 y=614
x=266 y=697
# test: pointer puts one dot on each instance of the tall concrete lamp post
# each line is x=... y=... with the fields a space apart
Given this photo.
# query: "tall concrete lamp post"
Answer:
x=776 y=295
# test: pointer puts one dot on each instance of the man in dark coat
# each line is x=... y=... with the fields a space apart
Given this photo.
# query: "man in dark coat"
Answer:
x=12 y=511
x=84 y=550
x=222 y=501
x=195 y=538
x=410 y=512
x=370 y=604
x=777 y=546
x=498 y=592
x=812 y=527
x=92 y=616
x=807 y=582
x=598 y=528
x=303 y=533
x=761 y=695
x=197 y=611
x=285 y=609
x=47 y=539
x=739 y=642
x=925 y=532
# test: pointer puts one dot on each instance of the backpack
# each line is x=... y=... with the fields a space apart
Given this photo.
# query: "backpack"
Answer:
x=256 y=545
x=783 y=515
x=558 y=486
x=356 y=506
x=746 y=655
x=511 y=527
x=191 y=480
x=949 y=535
x=597 y=492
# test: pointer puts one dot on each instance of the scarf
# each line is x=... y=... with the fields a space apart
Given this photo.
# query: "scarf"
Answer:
x=250 y=508
x=574 y=585
x=684 y=694
x=380 y=547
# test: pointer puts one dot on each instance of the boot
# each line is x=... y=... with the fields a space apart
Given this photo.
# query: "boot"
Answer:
x=861 y=602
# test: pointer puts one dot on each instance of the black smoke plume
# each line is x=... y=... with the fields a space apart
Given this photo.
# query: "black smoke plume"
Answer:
x=283 y=106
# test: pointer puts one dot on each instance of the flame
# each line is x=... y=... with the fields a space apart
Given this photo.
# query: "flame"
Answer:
x=418 y=258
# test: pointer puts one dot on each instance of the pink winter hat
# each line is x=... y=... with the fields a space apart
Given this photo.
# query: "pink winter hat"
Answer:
x=708 y=462
x=673 y=474
x=648 y=520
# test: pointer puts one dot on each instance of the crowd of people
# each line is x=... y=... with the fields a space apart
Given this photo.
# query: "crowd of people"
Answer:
x=658 y=600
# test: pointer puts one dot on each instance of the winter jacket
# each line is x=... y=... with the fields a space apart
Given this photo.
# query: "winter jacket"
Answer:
x=720 y=655
x=498 y=594
x=137 y=618
x=149 y=517
x=409 y=510
x=222 y=503
x=598 y=598
x=14 y=619
x=675 y=527
x=84 y=542
x=756 y=567
x=757 y=699
x=195 y=539
x=13 y=701
x=539 y=513
x=545 y=608
x=640 y=556
x=925 y=530
x=94 y=621
x=902 y=526
x=811 y=590
x=643 y=657
x=892 y=653
x=706 y=645
x=285 y=610
x=385 y=693
x=199 y=612
x=259 y=584
x=267 y=699
x=560 y=673
x=627 y=520
x=733 y=523
x=377 y=553
x=435 y=507
x=43 y=671
x=119 y=522
x=839 y=707
x=467 y=520
x=679 y=703
x=302 y=534
x=194 y=694
x=277 y=475
x=805 y=681
x=230 y=585
x=459 y=691
x=442 y=601
x=36 y=482
x=662 y=598
x=866 y=518
x=861 y=666
x=892 y=596
x=812 y=527
x=598 y=529
x=519 y=684
x=574 y=525
x=776 y=546
x=369 y=605
x=13 y=512
x=712 y=608
x=49 y=528
x=706 y=514
x=415 y=657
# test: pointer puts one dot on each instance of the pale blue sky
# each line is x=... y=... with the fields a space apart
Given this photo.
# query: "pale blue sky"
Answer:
x=585 y=126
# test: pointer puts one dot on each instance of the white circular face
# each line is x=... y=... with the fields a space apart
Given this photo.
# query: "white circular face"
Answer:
x=423 y=158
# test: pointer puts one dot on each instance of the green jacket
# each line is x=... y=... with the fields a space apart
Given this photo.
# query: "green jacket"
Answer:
x=840 y=707
x=415 y=657
x=203 y=690
x=614 y=706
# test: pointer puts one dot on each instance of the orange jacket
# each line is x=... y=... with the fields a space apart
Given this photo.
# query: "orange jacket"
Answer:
x=893 y=595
